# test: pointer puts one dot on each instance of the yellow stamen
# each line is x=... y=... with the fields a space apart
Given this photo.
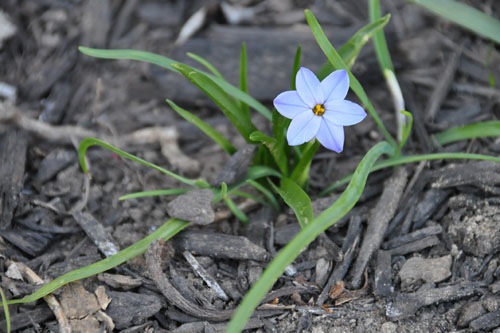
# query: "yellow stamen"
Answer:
x=318 y=109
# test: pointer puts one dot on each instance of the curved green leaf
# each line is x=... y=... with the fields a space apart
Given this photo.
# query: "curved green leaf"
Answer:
x=166 y=231
x=328 y=218
x=167 y=63
x=349 y=50
x=238 y=117
x=204 y=127
x=399 y=160
x=89 y=142
x=295 y=197
x=206 y=64
x=471 y=131
x=153 y=193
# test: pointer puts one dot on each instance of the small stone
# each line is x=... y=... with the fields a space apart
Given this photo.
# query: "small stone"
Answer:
x=478 y=231
x=389 y=327
x=428 y=270
x=194 y=206
x=490 y=304
x=469 y=312
x=7 y=28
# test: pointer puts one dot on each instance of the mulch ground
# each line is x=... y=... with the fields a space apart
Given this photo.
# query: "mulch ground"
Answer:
x=418 y=253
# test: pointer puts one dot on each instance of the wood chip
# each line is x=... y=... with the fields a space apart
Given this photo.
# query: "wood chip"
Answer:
x=379 y=220
x=218 y=245
x=405 y=305
x=97 y=233
x=13 y=148
x=201 y=272
x=153 y=262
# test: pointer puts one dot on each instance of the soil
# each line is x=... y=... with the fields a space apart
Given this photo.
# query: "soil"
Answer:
x=418 y=253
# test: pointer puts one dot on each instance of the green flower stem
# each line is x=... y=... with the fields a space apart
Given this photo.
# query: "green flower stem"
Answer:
x=328 y=218
x=336 y=60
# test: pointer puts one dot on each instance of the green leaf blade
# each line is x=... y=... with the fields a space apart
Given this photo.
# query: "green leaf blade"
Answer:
x=168 y=63
x=471 y=131
x=350 y=50
x=204 y=127
x=238 y=117
x=86 y=143
x=328 y=218
x=166 y=231
x=297 y=199
x=465 y=16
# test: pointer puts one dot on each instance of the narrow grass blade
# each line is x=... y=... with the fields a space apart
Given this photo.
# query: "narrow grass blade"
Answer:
x=240 y=215
x=298 y=200
x=472 y=131
x=250 y=196
x=259 y=171
x=153 y=193
x=300 y=173
x=152 y=58
x=387 y=68
x=239 y=118
x=381 y=49
x=337 y=62
x=243 y=74
x=204 y=127
x=399 y=160
x=167 y=63
x=465 y=16
x=89 y=142
x=254 y=173
x=224 y=194
x=349 y=51
x=6 y=311
x=205 y=63
x=271 y=199
x=166 y=231
x=288 y=254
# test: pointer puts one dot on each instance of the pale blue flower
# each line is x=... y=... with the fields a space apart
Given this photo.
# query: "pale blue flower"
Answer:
x=319 y=109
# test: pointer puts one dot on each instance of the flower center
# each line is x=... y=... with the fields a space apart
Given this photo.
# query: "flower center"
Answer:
x=318 y=109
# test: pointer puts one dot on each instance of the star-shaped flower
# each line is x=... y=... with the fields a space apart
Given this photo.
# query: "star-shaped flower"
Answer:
x=319 y=109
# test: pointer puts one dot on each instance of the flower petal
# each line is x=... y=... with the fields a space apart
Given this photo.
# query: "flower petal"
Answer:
x=289 y=104
x=336 y=85
x=309 y=87
x=343 y=112
x=331 y=136
x=303 y=128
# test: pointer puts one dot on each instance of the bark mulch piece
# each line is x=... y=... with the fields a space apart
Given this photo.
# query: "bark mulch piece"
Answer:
x=13 y=149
